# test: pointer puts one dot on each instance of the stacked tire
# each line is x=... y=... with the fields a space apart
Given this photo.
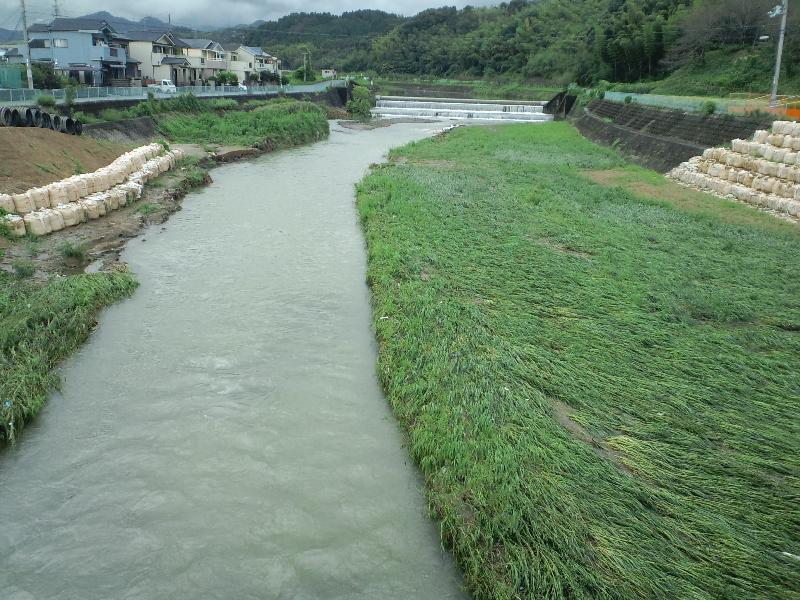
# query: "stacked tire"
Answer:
x=11 y=116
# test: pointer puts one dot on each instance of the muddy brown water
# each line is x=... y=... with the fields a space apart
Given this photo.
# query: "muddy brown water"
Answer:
x=223 y=435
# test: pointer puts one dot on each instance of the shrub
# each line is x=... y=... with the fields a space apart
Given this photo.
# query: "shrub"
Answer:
x=227 y=78
x=74 y=251
x=46 y=101
x=628 y=100
x=360 y=105
x=709 y=108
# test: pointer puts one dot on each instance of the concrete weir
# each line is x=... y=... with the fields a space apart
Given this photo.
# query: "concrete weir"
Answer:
x=397 y=107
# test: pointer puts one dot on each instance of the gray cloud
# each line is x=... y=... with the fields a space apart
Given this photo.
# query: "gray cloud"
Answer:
x=215 y=13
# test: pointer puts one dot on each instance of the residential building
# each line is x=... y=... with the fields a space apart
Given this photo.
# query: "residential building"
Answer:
x=247 y=61
x=87 y=50
x=329 y=73
x=161 y=56
x=206 y=57
x=11 y=56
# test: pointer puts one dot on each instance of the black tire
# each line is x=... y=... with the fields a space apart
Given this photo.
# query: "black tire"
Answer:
x=47 y=121
x=78 y=127
x=69 y=126
x=37 y=118
x=16 y=118
x=5 y=117
x=56 y=123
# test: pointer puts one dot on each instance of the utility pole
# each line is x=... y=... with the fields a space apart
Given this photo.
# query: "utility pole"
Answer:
x=305 y=66
x=27 y=45
x=56 y=9
x=779 y=56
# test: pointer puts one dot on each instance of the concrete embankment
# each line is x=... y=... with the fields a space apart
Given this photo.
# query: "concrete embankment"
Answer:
x=661 y=139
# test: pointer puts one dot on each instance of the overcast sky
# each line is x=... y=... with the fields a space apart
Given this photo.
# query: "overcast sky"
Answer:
x=213 y=13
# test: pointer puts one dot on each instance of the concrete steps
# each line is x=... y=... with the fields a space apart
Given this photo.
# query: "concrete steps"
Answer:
x=394 y=107
x=764 y=171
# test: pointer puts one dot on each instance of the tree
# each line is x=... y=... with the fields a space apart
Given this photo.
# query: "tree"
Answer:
x=227 y=78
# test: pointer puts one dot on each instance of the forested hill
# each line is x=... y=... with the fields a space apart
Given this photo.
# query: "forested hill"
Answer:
x=340 y=41
x=712 y=46
x=579 y=40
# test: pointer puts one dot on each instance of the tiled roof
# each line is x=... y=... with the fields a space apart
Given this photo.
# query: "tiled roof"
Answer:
x=64 y=24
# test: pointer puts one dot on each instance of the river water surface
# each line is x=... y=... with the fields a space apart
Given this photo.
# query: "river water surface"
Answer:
x=223 y=435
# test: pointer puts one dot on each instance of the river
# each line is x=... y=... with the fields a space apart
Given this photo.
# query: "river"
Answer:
x=222 y=435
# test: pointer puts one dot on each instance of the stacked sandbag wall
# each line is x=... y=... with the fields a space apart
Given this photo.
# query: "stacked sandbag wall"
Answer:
x=88 y=196
x=764 y=171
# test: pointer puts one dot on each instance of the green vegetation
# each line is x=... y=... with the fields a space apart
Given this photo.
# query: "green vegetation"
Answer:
x=495 y=87
x=277 y=125
x=182 y=103
x=727 y=71
x=46 y=101
x=226 y=78
x=40 y=324
x=362 y=102
x=551 y=41
x=148 y=208
x=23 y=268
x=600 y=384
x=72 y=251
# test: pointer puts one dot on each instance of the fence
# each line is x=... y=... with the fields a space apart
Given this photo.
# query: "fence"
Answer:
x=787 y=105
x=106 y=94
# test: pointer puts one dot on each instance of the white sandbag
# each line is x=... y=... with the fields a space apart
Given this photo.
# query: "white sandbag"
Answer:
x=790 y=158
x=58 y=193
x=760 y=136
x=15 y=224
x=72 y=190
x=782 y=127
x=770 y=168
x=91 y=208
x=40 y=197
x=71 y=213
x=23 y=204
x=7 y=203
x=55 y=219
x=793 y=208
x=776 y=139
x=37 y=223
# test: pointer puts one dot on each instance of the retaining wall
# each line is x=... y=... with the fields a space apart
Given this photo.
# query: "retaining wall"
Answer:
x=662 y=139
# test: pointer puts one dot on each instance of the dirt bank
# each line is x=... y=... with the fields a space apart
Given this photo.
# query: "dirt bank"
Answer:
x=35 y=157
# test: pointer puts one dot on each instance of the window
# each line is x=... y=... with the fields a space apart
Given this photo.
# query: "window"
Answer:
x=60 y=43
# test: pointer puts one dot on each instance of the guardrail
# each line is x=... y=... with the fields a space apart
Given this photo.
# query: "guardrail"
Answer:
x=106 y=94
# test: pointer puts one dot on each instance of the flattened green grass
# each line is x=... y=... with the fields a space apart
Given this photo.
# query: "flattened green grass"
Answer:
x=601 y=389
x=41 y=324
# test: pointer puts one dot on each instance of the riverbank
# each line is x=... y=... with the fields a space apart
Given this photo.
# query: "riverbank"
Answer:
x=49 y=304
x=597 y=369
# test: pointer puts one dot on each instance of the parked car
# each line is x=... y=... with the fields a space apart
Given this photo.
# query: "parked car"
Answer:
x=243 y=88
x=165 y=87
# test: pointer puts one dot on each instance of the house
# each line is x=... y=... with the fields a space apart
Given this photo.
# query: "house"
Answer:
x=248 y=61
x=88 y=50
x=161 y=56
x=206 y=57
x=329 y=73
x=11 y=56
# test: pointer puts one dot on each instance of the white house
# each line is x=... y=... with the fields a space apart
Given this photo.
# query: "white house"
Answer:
x=161 y=56
x=247 y=61
x=206 y=57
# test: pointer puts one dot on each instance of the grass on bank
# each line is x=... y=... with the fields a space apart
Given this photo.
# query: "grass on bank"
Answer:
x=600 y=387
x=41 y=324
x=281 y=125
x=486 y=89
